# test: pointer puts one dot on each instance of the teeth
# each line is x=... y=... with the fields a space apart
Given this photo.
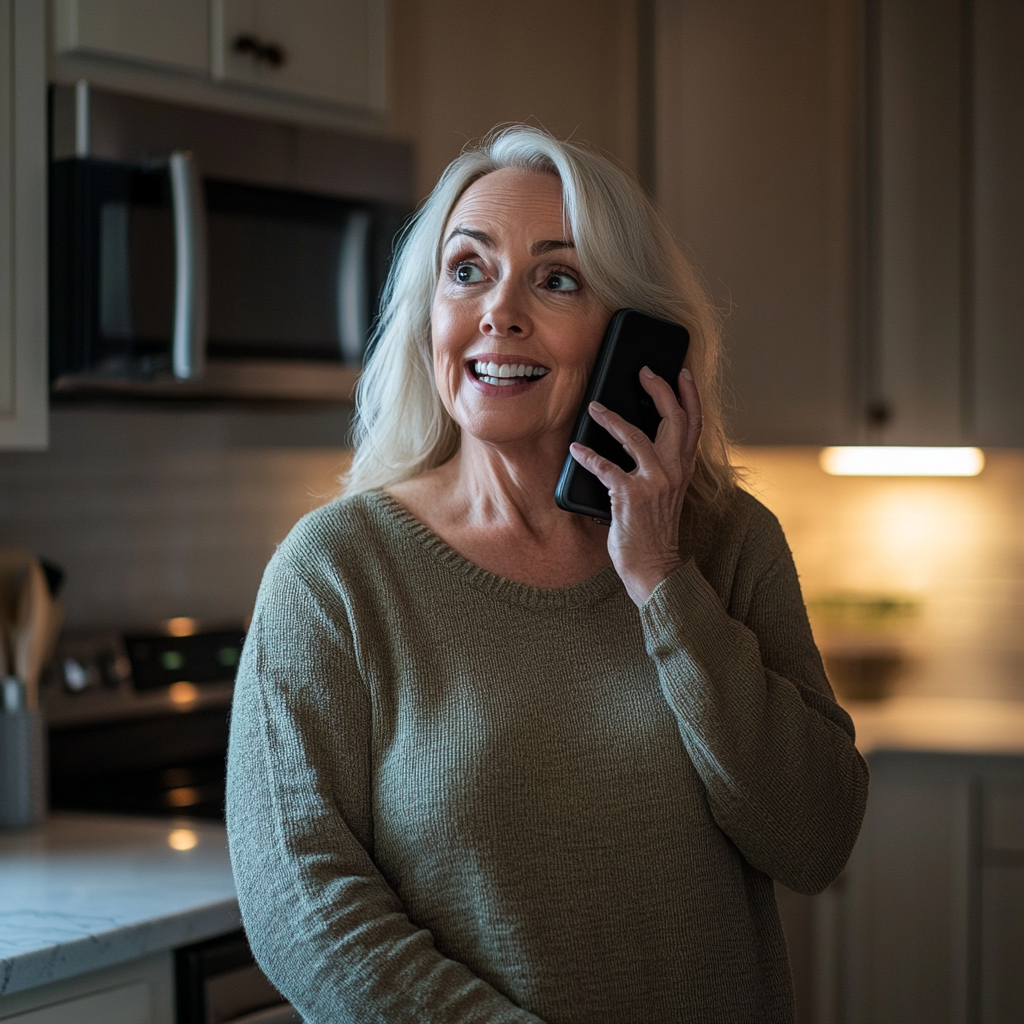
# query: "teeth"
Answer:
x=505 y=373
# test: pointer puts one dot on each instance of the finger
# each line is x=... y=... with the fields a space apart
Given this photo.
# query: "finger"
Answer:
x=665 y=400
x=607 y=472
x=690 y=399
x=633 y=439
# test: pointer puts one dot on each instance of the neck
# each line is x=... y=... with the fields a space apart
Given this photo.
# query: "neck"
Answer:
x=508 y=485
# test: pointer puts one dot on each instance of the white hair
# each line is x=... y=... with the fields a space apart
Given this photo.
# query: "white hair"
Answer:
x=627 y=256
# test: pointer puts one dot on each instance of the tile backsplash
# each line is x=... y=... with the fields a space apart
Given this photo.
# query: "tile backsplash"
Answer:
x=159 y=512
x=929 y=571
x=156 y=512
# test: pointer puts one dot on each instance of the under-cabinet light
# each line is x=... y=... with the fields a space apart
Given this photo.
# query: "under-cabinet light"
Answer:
x=881 y=460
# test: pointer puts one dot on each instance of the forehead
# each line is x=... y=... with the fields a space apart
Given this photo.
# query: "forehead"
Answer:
x=525 y=200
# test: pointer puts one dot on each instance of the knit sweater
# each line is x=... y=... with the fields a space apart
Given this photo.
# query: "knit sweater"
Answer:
x=457 y=799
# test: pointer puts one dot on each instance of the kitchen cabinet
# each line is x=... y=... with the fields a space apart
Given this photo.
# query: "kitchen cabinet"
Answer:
x=850 y=178
x=175 y=35
x=322 y=50
x=23 y=385
x=927 y=921
x=326 y=53
x=138 y=992
x=756 y=155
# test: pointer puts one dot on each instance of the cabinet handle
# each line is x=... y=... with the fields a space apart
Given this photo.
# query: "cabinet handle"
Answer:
x=261 y=52
x=188 y=351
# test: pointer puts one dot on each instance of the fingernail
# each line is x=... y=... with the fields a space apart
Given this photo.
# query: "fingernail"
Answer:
x=687 y=374
x=598 y=406
x=647 y=372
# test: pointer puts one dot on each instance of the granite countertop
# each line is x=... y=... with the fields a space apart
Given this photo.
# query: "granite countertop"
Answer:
x=87 y=891
x=952 y=725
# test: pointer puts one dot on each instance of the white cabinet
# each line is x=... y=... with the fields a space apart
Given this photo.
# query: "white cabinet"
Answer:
x=175 y=34
x=326 y=55
x=756 y=155
x=23 y=343
x=139 y=992
x=850 y=178
x=327 y=50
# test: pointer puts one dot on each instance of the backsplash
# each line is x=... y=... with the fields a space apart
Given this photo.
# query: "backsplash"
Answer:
x=159 y=512
x=926 y=571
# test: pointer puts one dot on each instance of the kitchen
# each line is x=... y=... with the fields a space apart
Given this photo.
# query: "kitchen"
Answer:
x=870 y=268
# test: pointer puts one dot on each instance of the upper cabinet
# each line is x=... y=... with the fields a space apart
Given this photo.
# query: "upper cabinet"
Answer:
x=318 y=49
x=757 y=129
x=172 y=35
x=23 y=386
x=850 y=178
x=325 y=53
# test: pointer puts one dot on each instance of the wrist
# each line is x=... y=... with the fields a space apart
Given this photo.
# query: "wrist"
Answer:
x=640 y=583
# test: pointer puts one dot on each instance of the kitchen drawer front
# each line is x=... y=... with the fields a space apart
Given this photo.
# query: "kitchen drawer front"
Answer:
x=128 y=1004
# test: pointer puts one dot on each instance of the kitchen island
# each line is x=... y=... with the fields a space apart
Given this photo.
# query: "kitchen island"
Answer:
x=84 y=893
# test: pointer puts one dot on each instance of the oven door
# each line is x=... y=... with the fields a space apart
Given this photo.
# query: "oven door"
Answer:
x=218 y=982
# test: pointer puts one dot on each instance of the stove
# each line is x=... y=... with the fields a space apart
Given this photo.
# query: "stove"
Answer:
x=138 y=721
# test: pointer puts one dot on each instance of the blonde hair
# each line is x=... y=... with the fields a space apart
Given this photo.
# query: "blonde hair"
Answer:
x=627 y=256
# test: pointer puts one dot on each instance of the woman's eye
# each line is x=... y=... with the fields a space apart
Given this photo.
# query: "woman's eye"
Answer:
x=468 y=273
x=561 y=283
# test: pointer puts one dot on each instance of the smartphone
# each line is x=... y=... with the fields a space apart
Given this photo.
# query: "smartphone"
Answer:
x=633 y=340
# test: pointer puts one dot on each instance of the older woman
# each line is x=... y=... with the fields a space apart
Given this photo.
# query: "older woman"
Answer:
x=492 y=761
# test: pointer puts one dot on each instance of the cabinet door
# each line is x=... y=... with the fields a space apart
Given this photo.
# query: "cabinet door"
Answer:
x=327 y=50
x=23 y=410
x=756 y=129
x=1002 y=904
x=174 y=34
x=916 y=222
x=998 y=334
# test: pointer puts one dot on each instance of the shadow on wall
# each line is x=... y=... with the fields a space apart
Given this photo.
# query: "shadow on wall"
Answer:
x=914 y=586
x=156 y=513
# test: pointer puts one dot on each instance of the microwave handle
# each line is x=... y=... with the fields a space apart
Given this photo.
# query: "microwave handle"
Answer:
x=188 y=351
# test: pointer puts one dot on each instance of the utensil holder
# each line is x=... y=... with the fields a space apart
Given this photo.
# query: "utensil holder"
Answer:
x=22 y=768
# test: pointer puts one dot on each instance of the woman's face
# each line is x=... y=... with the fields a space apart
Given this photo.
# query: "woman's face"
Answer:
x=515 y=327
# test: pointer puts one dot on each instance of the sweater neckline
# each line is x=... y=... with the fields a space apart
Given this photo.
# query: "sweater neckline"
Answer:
x=598 y=587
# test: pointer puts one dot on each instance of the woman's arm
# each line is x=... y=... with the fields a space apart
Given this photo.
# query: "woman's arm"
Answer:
x=324 y=924
x=775 y=752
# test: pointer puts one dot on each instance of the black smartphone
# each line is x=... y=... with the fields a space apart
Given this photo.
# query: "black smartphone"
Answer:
x=632 y=341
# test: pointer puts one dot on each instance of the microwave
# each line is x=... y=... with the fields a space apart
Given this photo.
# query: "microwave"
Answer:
x=167 y=283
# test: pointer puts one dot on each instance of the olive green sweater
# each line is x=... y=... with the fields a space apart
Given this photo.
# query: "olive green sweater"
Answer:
x=455 y=799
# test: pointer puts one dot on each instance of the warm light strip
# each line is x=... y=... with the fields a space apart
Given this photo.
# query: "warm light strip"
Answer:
x=879 y=460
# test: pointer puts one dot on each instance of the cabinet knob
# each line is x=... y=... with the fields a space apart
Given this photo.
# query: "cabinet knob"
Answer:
x=260 y=51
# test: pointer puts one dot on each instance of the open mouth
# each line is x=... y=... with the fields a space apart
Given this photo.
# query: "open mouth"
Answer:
x=504 y=374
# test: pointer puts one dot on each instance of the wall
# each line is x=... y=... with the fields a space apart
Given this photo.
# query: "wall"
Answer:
x=460 y=69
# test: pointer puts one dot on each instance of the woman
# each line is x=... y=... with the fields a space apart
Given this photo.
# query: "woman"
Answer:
x=494 y=762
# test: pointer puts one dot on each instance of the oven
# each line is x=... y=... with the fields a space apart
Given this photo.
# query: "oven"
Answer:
x=138 y=724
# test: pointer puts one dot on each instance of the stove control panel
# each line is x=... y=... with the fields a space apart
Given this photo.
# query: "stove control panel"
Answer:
x=102 y=676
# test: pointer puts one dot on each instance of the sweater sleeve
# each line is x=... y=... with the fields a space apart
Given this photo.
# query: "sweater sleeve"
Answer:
x=323 y=922
x=775 y=752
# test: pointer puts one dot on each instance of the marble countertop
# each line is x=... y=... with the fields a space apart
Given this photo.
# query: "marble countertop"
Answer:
x=86 y=891
x=939 y=724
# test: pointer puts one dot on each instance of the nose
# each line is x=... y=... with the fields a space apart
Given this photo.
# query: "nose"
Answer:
x=506 y=314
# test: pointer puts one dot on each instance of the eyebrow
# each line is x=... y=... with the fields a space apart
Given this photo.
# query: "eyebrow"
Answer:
x=537 y=249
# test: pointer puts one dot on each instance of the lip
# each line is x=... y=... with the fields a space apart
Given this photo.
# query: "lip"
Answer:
x=507 y=390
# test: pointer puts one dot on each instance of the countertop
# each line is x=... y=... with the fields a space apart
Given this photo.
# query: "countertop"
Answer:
x=82 y=892
x=939 y=725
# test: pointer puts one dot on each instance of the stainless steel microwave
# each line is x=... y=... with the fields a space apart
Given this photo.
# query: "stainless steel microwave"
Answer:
x=170 y=283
